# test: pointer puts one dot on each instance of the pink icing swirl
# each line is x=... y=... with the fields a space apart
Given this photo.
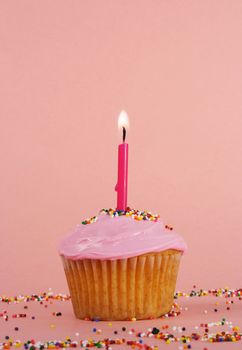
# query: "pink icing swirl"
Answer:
x=111 y=238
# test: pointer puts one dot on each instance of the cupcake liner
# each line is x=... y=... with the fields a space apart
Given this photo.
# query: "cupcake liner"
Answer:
x=141 y=287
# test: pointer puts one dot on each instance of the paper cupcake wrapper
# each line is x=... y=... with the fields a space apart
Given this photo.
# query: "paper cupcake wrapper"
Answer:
x=141 y=287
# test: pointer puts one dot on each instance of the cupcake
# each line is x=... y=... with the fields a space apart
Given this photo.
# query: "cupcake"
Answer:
x=121 y=265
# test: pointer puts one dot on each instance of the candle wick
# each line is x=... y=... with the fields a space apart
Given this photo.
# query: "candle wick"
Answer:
x=124 y=134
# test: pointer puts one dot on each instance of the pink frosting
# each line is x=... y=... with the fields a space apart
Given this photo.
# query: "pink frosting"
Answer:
x=117 y=238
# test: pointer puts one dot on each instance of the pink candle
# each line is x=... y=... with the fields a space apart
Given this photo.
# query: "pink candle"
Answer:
x=122 y=184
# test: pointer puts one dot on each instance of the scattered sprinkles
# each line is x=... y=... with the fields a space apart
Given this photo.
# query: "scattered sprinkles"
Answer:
x=218 y=331
x=221 y=292
x=156 y=333
x=43 y=297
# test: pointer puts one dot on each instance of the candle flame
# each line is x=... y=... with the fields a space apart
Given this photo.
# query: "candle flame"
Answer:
x=123 y=120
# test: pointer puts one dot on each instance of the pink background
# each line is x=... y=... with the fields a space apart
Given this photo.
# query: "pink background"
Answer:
x=66 y=71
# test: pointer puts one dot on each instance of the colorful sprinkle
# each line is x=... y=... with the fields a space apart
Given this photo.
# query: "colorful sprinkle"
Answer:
x=133 y=213
x=220 y=330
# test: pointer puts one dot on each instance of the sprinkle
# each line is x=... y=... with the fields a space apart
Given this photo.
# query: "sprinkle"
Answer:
x=221 y=292
x=43 y=297
x=133 y=213
x=216 y=331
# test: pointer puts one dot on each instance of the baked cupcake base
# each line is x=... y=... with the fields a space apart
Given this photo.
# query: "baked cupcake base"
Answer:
x=141 y=287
